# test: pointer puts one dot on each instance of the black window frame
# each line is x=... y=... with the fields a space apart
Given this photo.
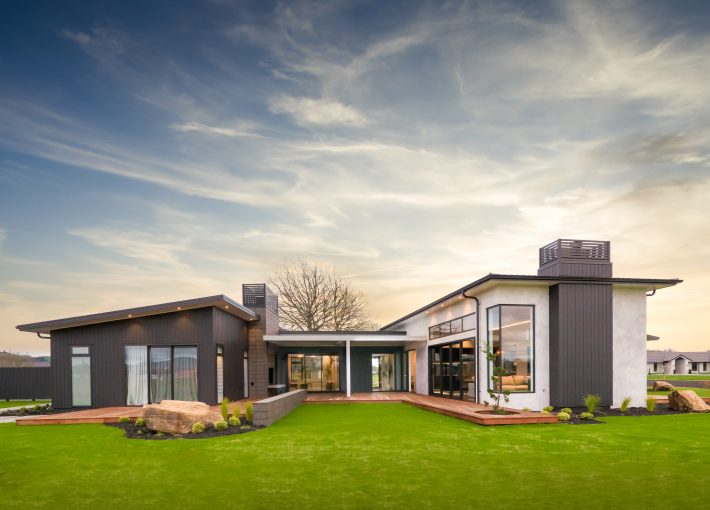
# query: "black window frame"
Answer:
x=459 y=396
x=71 y=374
x=436 y=331
x=534 y=350
x=172 y=369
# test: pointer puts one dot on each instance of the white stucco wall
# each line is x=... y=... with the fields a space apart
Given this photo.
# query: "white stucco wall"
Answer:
x=629 y=351
x=505 y=293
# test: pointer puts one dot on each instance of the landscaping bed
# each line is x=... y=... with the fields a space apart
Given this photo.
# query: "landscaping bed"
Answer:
x=37 y=409
x=135 y=432
x=660 y=410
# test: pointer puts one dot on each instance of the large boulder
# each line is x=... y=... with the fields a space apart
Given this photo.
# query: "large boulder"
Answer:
x=687 y=400
x=177 y=416
x=662 y=386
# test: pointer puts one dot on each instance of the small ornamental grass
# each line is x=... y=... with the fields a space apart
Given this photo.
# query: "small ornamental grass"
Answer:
x=250 y=412
x=124 y=419
x=548 y=409
x=140 y=422
x=566 y=410
x=198 y=427
x=651 y=404
x=234 y=421
x=221 y=425
x=586 y=416
x=625 y=404
x=225 y=409
x=591 y=402
x=562 y=416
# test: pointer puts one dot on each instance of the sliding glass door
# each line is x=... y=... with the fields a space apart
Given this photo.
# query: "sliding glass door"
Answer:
x=452 y=370
x=314 y=372
x=160 y=373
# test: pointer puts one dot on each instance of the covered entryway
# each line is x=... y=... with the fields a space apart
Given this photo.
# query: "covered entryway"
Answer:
x=363 y=361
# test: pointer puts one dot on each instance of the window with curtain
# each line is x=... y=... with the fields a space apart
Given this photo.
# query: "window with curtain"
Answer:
x=160 y=374
x=136 y=374
x=185 y=373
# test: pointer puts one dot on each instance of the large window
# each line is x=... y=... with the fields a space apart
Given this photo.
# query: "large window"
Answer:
x=511 y=336
x=458 y=325
x=160 y=373
x=314 y=372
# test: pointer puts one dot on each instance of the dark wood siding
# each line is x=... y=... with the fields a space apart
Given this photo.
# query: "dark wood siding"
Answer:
x=25 y=383
x=576 y=269
x=231 y=332
x=106 y=342
x=581 y=343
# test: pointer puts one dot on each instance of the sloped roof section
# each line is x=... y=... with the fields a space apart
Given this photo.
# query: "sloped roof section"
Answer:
x=219 y=301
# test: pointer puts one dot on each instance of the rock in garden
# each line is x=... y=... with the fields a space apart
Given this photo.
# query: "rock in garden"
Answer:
x=662 y=386
x=687 y=400
x=177 y=416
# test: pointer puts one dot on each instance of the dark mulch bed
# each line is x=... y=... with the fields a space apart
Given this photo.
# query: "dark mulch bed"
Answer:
x=133 y=432
x=661 y=409
x=32 y=411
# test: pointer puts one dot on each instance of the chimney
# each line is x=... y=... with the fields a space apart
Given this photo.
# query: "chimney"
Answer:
x=575 y=257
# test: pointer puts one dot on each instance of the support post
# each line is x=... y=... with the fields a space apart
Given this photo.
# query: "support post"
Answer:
x=347 y=367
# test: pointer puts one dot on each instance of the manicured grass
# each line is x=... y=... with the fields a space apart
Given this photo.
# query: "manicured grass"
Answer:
x=17 y=403
x=693 y=377
x=702 y=392
x=364 y=456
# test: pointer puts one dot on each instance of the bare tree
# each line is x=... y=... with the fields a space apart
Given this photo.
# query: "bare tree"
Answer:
x=315 y=298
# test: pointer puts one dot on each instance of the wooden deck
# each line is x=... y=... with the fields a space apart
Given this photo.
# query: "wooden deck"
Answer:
x=468 y=411
x=101 y=415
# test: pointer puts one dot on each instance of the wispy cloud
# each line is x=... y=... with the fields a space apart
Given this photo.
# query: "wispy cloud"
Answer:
x=323 y=112
x=213 y=130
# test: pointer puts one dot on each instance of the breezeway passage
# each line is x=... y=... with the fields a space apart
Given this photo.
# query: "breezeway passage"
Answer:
x=362 y=456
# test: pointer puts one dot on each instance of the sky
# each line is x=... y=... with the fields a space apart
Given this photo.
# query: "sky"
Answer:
x=156 y=151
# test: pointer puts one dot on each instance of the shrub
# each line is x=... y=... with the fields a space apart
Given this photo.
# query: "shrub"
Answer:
x=140 y=422
x=562 y=416
x=526 y=409
x=245 y=427
x=591 y=402
x=237 y=410
x=221 y=425
x=198 y=427
x=625 y=404
x=124 y=419
x=549 y=409
x=651 y=404
x=225 y=409
x=234 y=421
x=586 y=416
x=250 y=412
x=566 y=410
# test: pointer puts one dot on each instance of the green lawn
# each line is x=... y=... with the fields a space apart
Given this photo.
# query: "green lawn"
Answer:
x=693 y=377
x=364 y=456
x=702 y=392
x=16 y=403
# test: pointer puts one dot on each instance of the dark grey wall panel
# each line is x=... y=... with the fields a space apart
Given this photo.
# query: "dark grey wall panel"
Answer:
x=231 y=332
x=581 y=343
x=106 y=342
x=589 y=270
x=26 y=383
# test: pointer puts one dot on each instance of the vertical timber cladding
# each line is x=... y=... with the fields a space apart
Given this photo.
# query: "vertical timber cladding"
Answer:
x=581 y=343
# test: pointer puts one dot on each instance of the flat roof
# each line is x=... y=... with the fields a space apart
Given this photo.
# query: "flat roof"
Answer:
x=647 y=283
x=220 y=301
x=372 y=338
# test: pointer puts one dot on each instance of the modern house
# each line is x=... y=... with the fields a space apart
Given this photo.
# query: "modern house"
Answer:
x=675 y=362
x=568 y=330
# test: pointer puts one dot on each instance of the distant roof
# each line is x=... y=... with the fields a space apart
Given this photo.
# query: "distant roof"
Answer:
x=648 y=283
x=663 y=356
x=219 y=301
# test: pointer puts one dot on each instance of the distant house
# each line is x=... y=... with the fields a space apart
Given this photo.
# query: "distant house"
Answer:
x=676 y=362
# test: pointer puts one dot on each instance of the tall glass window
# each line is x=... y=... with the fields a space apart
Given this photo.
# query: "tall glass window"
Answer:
x=80 y=376
x=160 y=374
x=136 y=357
x=511 y=336
x=314 y=372
x=185 y=373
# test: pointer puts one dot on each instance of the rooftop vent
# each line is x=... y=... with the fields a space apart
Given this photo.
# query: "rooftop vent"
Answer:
x=575 y=257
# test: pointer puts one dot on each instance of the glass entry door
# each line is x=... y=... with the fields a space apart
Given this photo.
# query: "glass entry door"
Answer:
x=384 y=373
x=314 y=372
x=452 y=370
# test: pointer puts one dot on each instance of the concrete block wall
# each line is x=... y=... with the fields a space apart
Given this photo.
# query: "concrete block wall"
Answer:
x=269 y=410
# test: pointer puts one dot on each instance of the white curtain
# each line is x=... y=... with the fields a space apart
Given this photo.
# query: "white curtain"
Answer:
x=185 y=373
x=137 y=374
